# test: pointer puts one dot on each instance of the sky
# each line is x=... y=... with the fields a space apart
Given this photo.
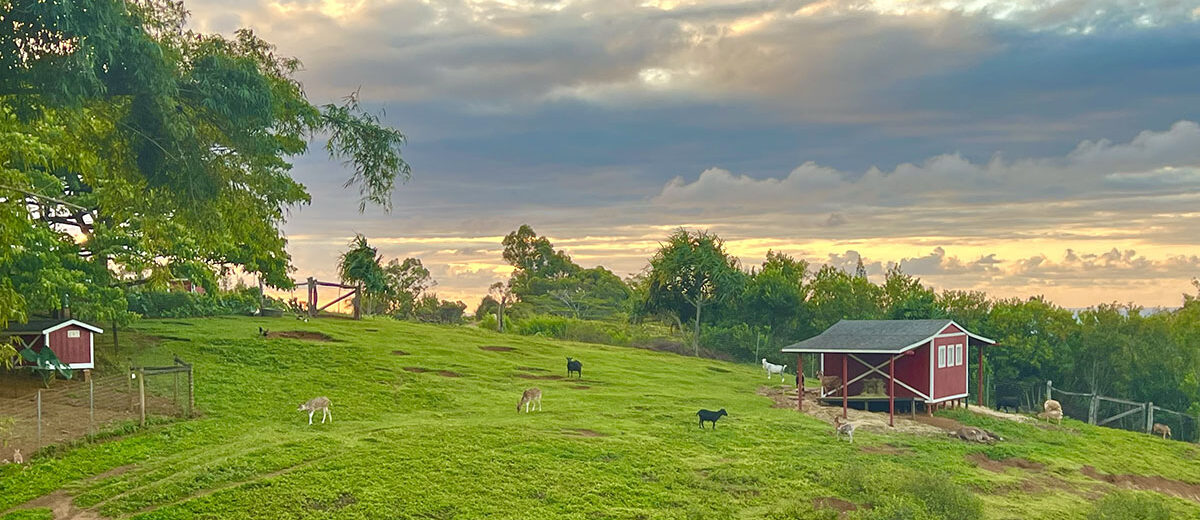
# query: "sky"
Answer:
x=1047 y=147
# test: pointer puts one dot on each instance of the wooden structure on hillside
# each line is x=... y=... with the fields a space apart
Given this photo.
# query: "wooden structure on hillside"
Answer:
x=355 y=292
x=73 y=342
x=925 y=360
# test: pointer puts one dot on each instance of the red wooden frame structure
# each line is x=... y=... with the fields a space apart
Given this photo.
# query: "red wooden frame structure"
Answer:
x=926 y=360
x=355 y=292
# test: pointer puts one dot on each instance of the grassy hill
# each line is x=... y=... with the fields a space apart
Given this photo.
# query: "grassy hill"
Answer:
x=425 y=427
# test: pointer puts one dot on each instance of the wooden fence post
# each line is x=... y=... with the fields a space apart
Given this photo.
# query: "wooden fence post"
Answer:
x=39 y=418
x=1093 y=408
x=191 y=392
x=1149 y=416
x=1049 y=390
x=91 y=406
x=142 y=396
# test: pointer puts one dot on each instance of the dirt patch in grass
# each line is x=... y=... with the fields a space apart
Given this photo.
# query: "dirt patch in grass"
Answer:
x=399 y=353
x=447 y=373
x=532 y=369
x=580 y=387
x=998 y=466
x=60 y=505
x=874 y=422
x=719 y=369
x=886 y=449
x=418 y=370
x=547 y=377
x=343 y=500
x=371 y=330
x=584 y=432
x=836 y=504
x=492 y=348
x=305 y=335
x=161 y=338
x=1148 y=483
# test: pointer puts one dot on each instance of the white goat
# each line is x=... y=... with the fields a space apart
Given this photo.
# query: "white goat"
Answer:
x=317 y=403
x=772 y=368
x=840 y=428
x=1052 y=410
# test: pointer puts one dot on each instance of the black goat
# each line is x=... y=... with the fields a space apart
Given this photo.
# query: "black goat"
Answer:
x=573 y=365
x=1012 y=402
x=262 y=332
x=710 y=416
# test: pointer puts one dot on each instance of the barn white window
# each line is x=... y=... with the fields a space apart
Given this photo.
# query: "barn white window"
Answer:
x=941 y=356
x=958 y=354
x=72 y=334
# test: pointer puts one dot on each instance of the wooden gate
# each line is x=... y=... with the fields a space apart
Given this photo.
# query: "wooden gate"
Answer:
x=355 y=292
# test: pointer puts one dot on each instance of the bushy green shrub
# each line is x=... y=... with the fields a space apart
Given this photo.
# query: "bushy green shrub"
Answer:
x=944 y=499
x=162 y=304
x=896 y=493
x=549 y=326
x=1121 y=505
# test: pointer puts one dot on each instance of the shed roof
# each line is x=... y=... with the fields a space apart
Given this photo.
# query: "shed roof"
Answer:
x=45 y=325
x=877 y=336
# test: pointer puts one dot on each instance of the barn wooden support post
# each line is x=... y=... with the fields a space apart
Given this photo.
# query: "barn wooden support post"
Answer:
x=845 y=385
x=141 y=377
x=1093 y=408
x=39 y=419
x=892 y=391
x=799 y=382
x=1149 y=416
x=979 y=380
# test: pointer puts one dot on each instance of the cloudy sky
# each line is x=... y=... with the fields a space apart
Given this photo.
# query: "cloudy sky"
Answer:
x=1018 y=147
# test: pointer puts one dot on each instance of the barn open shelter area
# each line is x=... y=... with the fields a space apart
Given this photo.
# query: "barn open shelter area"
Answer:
x=620 y=442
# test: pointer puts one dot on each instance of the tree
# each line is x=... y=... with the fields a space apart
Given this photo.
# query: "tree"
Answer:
x=149 y=150
x=406 y=282
x=836 y=295
x=689 y=272
x=359 y=266
x=904 y=298
x=534 y=257
x=775 y=297
x=504 y=295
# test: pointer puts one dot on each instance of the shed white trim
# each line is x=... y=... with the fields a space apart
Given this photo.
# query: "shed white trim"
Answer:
x=78 y=323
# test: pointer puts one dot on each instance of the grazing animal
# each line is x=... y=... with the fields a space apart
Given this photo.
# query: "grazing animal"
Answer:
x=1162 y=429
x=772 y=368
x=829 y=383
x=531 y=396
x=973 y=434
x=840 y=428
x=317 y=403
x=1010 y=402
x=262 y=332
x=1052 y=410
x=17 y=458
x=574 y=365
x=710 y=416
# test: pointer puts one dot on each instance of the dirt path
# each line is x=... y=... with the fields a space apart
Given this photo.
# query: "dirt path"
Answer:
x=868 y=421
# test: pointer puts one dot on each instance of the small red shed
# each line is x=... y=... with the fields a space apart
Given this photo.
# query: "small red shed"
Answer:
x=72 y=341
x=922 y=359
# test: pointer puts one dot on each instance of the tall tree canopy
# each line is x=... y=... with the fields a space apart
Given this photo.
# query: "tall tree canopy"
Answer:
x=690 y=272
x=131 y=146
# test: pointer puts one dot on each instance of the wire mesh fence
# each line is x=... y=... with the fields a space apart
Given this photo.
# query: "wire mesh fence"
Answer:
x=73 y=409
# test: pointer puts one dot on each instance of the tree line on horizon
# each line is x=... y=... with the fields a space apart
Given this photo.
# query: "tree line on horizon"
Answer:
x=715 y=305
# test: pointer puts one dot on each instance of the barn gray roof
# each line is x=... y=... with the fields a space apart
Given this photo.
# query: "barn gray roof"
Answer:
x=876 y=336
x=42 y=325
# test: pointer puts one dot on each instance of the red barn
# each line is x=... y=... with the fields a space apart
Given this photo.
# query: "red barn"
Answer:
x=72 y=341
x=922 y=359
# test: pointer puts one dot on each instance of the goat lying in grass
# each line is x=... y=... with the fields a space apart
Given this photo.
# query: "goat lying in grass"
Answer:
x=317 y=403
x=840 y=428
x=573 y=365
x=1052 y=410
x=710 y=416
x=772 y=368
x=973 y=434
x=1161 y=429
x=531 y=396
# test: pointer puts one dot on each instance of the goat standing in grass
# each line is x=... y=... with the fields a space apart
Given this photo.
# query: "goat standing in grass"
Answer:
x=829 y=383
x=1161 y=429
x=317 y=403
x=1052 y=410
x=17 y=458
x=772 y=368
x=573 y=365
x=840 y=428
x=531 y=396
x=710 y=416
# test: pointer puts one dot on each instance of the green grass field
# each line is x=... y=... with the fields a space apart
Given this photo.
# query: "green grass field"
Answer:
x=621 y=443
